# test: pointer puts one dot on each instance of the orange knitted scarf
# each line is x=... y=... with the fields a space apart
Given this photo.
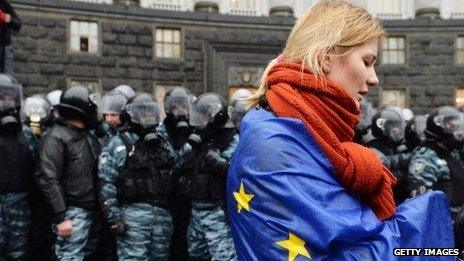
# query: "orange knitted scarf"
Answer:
x=330 y=115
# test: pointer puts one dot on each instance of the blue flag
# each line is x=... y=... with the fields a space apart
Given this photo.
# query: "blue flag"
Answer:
x=286 y=203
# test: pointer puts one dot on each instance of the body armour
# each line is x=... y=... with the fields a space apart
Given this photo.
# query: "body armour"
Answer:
x=16 y=164
x=145 y=176
x=452 y=184
x=206 y=184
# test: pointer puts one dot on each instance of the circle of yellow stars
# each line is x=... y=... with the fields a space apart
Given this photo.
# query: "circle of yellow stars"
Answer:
x=294 y=245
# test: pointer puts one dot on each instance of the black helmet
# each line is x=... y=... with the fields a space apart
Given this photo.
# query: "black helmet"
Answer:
x=367 y=111
x=414 y=133
x=387 y=123
x=10 y=104
x=125 y=90
x=177 y=102
x=141 y=112
x=237 y=111
x=112 y=102
x=176 y=105
x=445 y=124
x=54 y=97
x=240 y=94
x=79 y=103
x=208 y=111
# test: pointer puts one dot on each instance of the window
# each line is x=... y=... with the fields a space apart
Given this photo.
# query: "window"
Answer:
x=394 y=50
x=460 y=50
x=167 y=43
x=243 y=7
x=389 y=9
x=84 y=37
x=395 y=97
x=460 y=97
x=92 y=84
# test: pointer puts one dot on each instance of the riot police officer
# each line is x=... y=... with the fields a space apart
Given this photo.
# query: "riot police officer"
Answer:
x=54 y=98
x=213 y=147
x=110 y=108
x=362 y=129
x=388 y=129
x=37 y=114
x=237 y=110
x=68 y=174
x=135 y=177
x=175 y=129
x=414 y=133
x=17 y=146
x=436 y=164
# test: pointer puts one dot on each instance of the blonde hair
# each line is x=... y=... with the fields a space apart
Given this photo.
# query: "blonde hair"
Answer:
x=329 y=28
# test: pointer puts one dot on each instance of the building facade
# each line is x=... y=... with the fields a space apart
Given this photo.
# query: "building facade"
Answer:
x=222 y=45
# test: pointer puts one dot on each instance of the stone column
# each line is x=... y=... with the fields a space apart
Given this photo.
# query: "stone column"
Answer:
x=427 y=8
x=280 y=8
x=210 y=6
x=127 y=2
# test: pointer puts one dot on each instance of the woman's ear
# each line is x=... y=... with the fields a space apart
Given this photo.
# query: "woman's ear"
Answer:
x=326 y=65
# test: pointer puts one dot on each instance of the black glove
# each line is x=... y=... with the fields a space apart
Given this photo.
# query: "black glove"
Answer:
x=117 y=227
x=214 y=161
x=212 y=158
x=194 y=140
x=153 y=139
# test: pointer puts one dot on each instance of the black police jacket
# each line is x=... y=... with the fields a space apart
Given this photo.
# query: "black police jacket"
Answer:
x=16 y=164
x=68 y=168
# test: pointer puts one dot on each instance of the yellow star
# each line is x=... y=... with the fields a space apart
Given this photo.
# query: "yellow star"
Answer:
x=243 y=199
x=295 y=247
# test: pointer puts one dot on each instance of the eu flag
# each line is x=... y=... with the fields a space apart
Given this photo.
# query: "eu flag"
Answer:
x=286 y=203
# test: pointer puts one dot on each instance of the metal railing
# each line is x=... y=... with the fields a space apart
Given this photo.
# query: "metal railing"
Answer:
x=244 y=12
x=169 y=7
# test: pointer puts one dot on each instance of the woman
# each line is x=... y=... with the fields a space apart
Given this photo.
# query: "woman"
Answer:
x=298 y=186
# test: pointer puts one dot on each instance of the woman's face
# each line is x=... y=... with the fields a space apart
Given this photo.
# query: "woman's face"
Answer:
x=355 y=71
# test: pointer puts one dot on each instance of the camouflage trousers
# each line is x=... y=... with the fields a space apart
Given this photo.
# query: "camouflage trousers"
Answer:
x=209 y=234
x=85 y=237
x=148 y=233
x=15 y=223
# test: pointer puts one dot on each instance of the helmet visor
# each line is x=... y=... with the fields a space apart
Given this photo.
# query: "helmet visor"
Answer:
x=178 y=106
x=9 y=98
x=203 y=112
x=394 y=130
x=144 y=113
x=36 y=109
x=112 y=104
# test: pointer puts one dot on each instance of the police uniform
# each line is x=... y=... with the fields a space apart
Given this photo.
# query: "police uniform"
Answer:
x=179 y=204
x=16 y=178
x=209 y=233
x=148 y=225
x=438 y=169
